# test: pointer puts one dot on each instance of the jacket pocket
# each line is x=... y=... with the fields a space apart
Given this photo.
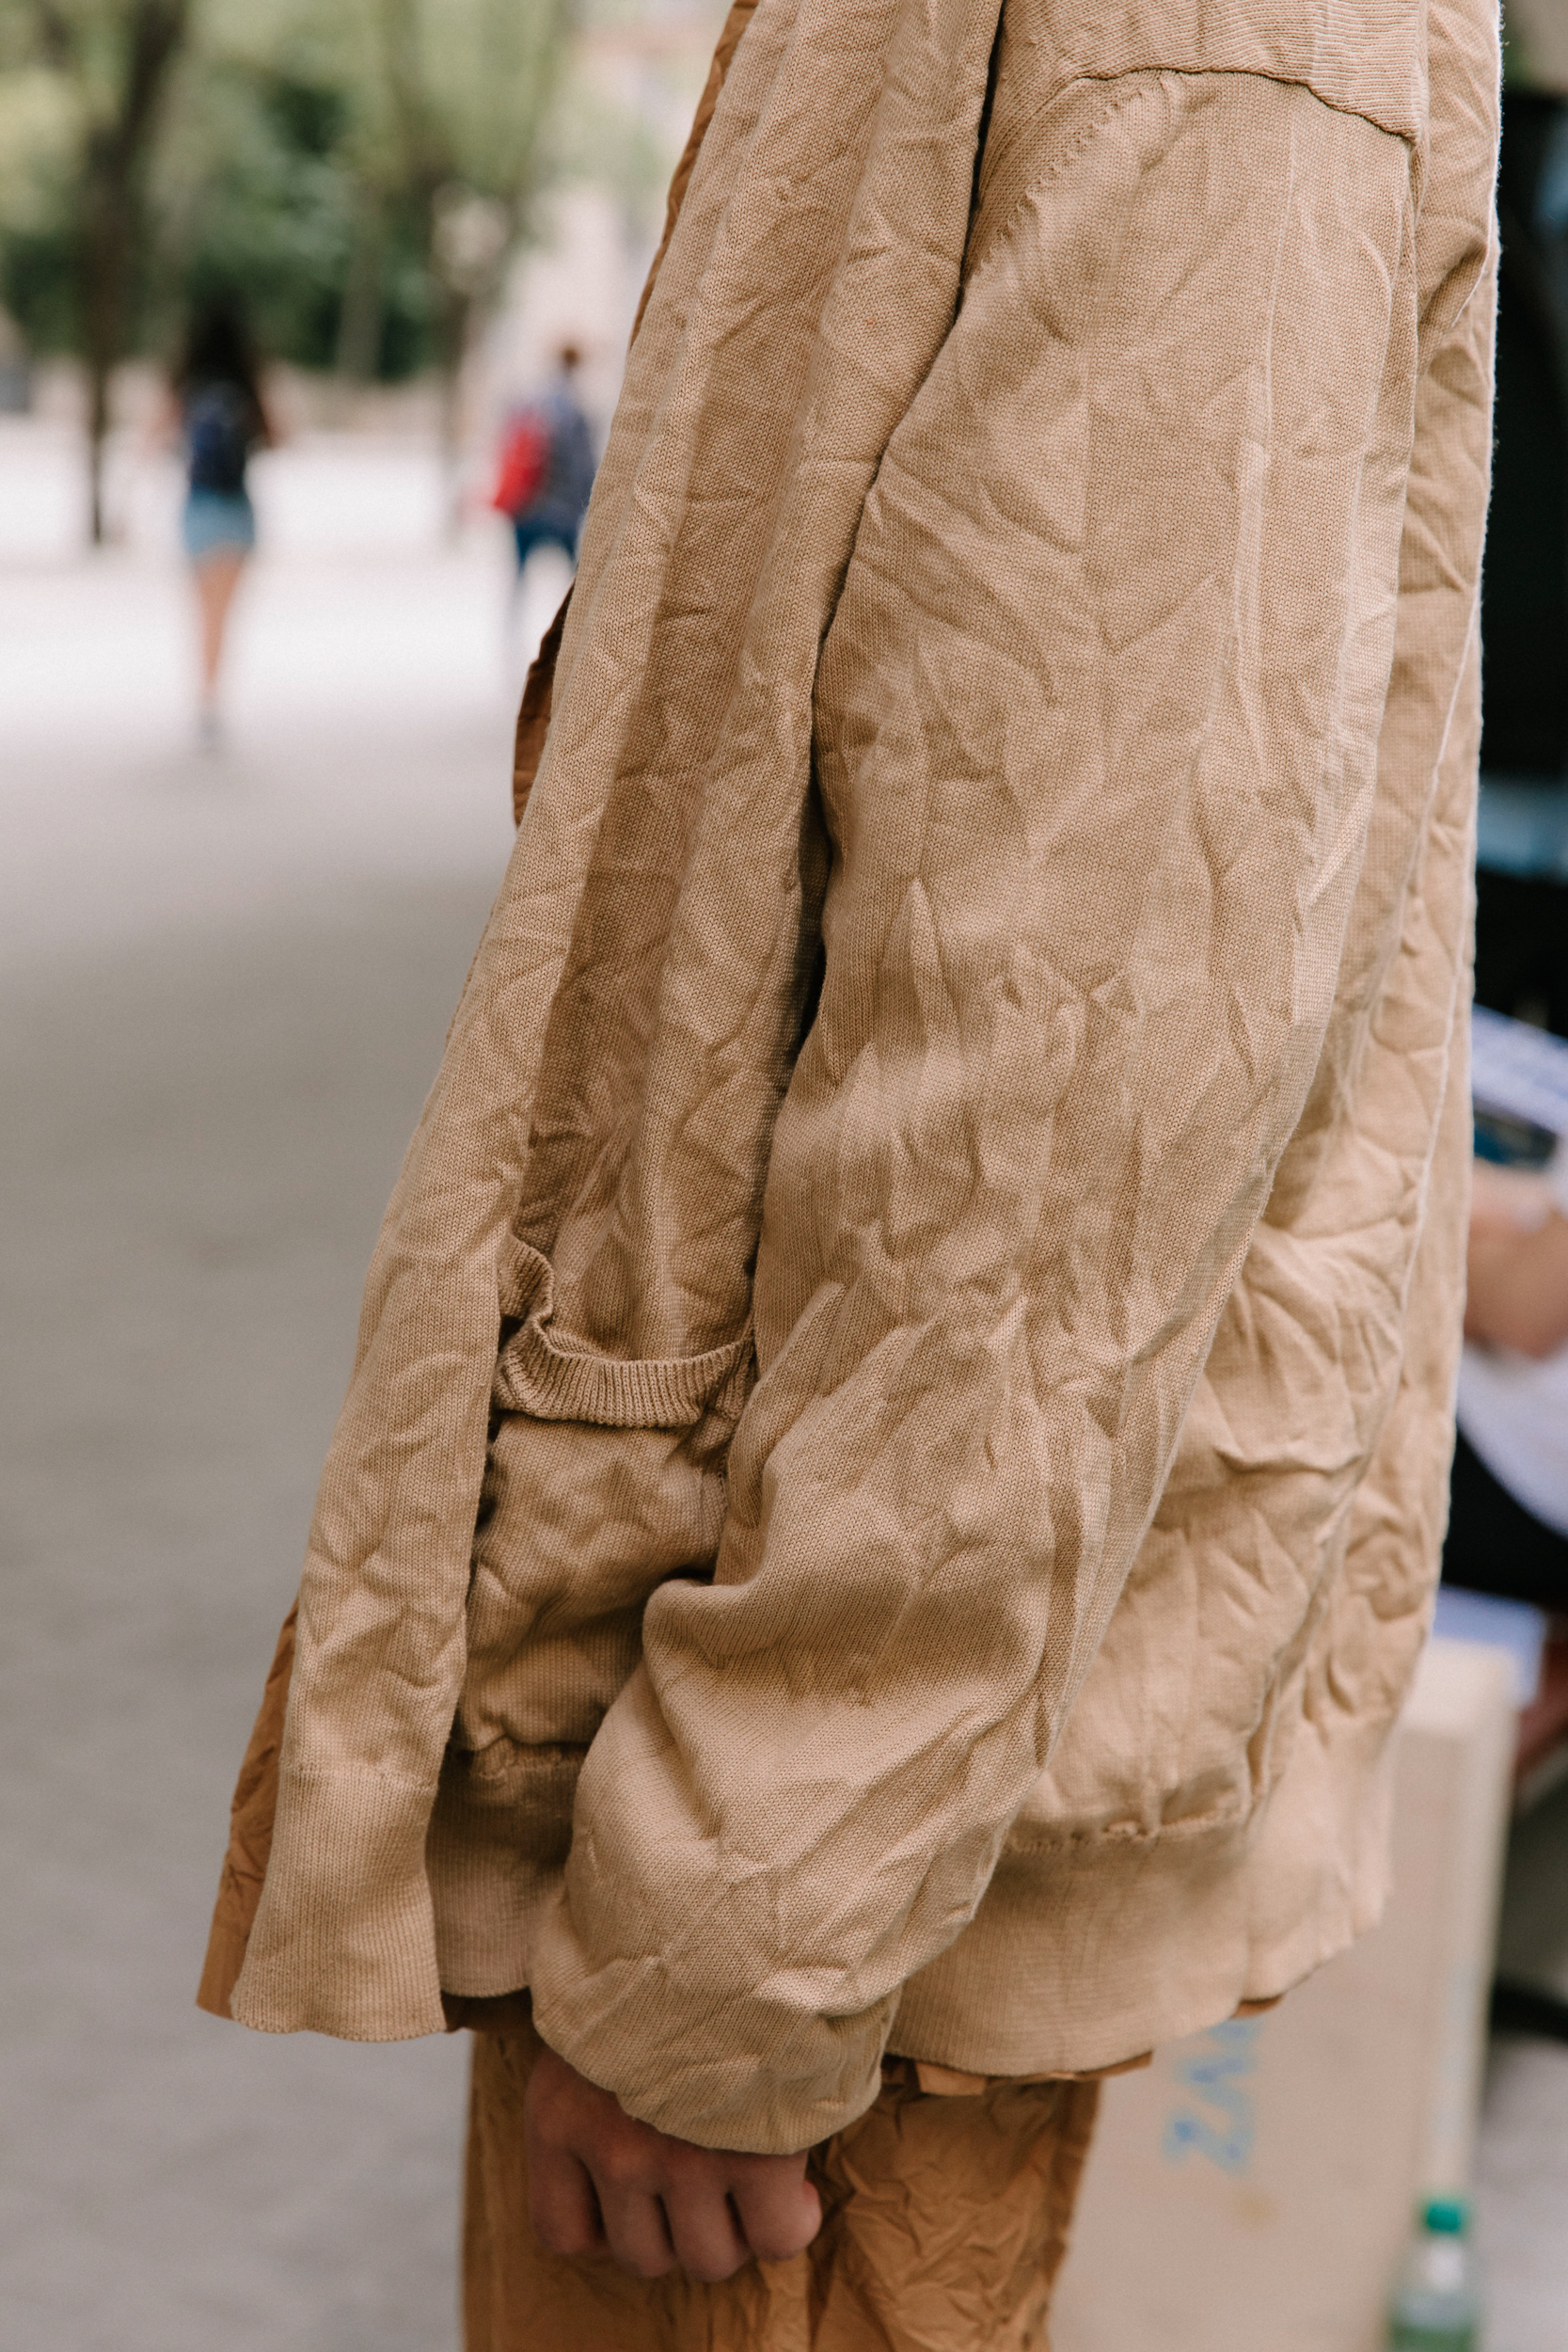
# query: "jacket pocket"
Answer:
x=552 y=1376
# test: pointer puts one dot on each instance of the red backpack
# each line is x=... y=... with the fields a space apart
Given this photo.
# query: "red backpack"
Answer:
x=524 y=462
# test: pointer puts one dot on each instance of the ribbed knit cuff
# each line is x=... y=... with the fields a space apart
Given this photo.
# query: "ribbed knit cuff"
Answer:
x=344 y=1940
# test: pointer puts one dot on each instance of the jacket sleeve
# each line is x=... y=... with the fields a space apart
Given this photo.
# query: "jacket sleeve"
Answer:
x=254 y=1804
x=1097 y=726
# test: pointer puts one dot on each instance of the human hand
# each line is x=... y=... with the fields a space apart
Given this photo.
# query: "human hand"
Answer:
x=600 y=2183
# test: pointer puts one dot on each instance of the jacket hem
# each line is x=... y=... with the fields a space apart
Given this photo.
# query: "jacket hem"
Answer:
x=1085 y=1953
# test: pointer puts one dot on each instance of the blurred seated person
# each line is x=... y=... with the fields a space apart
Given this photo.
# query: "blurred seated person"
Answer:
x=1508 y=1527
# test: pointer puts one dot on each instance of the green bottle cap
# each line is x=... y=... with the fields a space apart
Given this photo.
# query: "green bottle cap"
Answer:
x=1445 y=2217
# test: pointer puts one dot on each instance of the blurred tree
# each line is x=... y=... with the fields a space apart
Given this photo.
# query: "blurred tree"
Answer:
x=38 y=133
x=251 y=192
x=448 y=148
x=100 y=68
x=359 y=171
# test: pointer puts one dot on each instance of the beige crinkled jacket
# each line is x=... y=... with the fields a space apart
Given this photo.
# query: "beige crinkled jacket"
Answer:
x=892 y=1479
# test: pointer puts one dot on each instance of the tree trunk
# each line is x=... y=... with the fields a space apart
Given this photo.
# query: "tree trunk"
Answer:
x=107 y=252
x=456 y=331
x=109 y=217
x=359 y=322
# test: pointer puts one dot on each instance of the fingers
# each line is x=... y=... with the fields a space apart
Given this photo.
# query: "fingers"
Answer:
x=561 y=2205
x=664 y=2205
x=779 y=2210
x=600 y=2181
x=702 y=2224
x=652 y=2217
x=635 y=2227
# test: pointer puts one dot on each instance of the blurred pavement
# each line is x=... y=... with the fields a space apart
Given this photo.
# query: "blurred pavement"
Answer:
x=225 y=986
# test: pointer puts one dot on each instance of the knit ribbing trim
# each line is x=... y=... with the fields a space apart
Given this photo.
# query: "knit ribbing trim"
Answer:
x=553 y=1376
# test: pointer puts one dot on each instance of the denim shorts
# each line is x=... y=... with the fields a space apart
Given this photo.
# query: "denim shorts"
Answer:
x=218 y=519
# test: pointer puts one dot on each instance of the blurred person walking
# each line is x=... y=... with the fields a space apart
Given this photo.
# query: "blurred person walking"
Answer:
x=222 y=419
x=547 y=465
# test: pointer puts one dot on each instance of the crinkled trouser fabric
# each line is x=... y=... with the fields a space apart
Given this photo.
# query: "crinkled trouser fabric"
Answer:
x=944 y=2223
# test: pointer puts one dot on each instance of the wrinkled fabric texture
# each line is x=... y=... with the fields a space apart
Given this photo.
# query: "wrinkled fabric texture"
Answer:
x=533 y=711
x=945 y=2220
x=895 y=1470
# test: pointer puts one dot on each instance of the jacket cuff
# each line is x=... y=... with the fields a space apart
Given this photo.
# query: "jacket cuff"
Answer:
x=762 y=2071
x=344 y=1939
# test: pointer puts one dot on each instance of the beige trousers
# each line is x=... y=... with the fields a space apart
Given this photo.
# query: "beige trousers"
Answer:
x=944 y=2222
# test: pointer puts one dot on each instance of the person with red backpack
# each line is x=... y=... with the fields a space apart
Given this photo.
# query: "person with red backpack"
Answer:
x=546 y=466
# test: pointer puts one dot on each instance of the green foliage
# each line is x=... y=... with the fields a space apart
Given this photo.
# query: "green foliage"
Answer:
x=357 y=170
x=39 y=126
x=251 y=192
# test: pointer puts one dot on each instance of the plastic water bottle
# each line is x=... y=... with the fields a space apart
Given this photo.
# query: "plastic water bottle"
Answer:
x=1438 y=2308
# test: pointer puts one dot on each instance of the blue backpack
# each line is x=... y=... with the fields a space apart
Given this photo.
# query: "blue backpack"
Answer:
x=219 y=428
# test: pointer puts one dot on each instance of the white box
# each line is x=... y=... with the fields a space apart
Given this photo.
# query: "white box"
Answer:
x=1254 y=2189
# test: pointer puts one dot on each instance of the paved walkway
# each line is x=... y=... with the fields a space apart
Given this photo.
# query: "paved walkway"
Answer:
x=226 y=983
